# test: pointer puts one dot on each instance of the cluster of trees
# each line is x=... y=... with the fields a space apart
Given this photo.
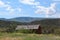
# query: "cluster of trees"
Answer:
x=8 y=26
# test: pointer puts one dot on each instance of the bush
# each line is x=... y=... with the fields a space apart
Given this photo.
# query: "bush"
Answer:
x=25 y=31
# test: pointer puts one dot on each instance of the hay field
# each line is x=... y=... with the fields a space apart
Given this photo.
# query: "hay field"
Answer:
x=22 y=36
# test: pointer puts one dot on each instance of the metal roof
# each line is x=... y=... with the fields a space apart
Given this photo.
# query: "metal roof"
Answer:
x=27 y=27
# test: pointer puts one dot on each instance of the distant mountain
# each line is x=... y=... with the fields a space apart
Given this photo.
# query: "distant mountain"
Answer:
x=25 y=19
x=3 y=19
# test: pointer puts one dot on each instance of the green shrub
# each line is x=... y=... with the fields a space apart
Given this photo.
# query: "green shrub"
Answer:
x=25 y=31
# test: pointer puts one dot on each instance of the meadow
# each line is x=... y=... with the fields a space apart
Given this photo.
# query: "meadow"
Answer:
x=24 y=36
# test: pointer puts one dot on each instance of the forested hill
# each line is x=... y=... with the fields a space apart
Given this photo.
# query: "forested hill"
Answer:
x=46 y=23
x=50 y=22
x=8 y=25
x=49 y=25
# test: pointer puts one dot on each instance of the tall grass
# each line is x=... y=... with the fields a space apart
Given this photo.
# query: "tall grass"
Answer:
x=23 y=36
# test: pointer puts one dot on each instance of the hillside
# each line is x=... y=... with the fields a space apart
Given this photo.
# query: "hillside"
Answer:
x=49 y=25
x=47 y=22
x=8 y=25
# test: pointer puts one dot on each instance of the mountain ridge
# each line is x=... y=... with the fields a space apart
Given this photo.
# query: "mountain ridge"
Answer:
x=22 y=19
x=25 y=19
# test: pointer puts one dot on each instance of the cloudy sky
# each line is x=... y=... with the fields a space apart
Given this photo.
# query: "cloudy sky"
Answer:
x=30 y=8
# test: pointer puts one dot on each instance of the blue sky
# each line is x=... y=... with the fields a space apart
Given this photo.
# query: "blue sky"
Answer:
x=30 y=8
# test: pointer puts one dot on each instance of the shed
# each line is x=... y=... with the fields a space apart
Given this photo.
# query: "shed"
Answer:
x=31 y=27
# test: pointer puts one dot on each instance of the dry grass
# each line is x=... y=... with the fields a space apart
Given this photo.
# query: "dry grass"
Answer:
x=21 y=36
x=11 y=38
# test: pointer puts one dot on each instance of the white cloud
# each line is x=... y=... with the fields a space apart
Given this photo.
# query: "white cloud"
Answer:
x=41 y=9
x=13 y=10
x=29 y=2
x=57 y=15
x=8 y=7
x=1 y=4
x=46 y=10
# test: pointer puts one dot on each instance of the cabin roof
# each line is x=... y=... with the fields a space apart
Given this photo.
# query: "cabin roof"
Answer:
x=27 y=27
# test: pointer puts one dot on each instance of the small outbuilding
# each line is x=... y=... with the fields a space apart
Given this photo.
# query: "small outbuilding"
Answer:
x=36 y=28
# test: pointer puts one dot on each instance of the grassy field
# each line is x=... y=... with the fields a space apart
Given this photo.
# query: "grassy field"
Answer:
x=22 y=36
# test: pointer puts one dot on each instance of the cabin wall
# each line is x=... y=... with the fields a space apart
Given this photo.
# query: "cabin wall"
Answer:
x=39 y=30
